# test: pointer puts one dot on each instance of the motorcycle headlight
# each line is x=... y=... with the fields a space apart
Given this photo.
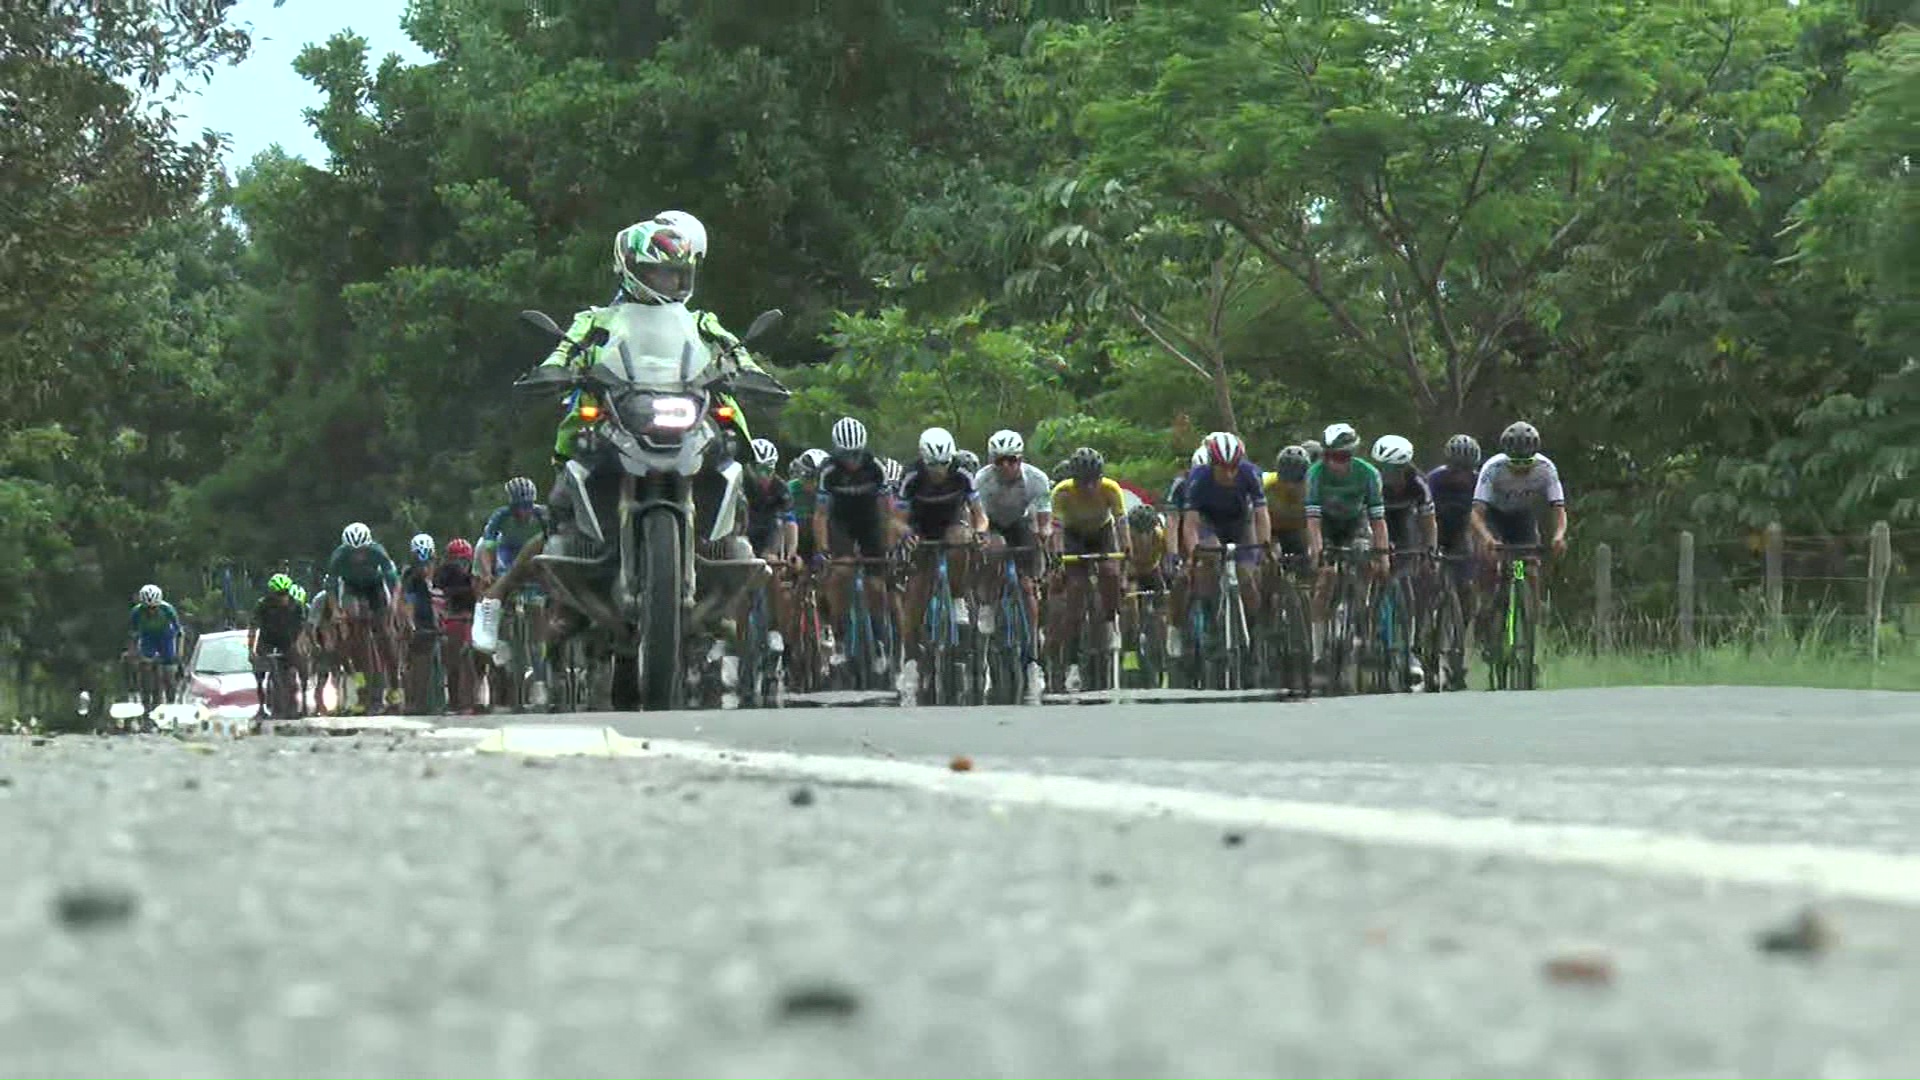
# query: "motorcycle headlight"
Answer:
x=673 y=414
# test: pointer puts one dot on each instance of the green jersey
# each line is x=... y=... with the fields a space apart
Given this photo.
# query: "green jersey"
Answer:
x=363 y=567
x=1345 y=498
x=803 y=500
x=154 y=620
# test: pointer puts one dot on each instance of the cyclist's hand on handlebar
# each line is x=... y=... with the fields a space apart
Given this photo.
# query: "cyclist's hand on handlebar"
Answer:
x=818 y=562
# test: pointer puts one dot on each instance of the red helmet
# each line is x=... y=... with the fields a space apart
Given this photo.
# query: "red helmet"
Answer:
x=459 y=549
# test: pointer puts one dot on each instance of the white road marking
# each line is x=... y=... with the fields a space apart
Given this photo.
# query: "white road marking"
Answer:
x=1833 y=871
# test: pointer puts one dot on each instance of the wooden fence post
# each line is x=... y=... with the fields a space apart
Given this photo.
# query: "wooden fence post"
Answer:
x=1603 y=598
x=1879 y=564
x=1686 y=590
x=1776 y=588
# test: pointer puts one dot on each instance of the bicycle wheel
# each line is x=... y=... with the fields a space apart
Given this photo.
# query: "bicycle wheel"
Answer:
x=1292 y=638
x=1393 y=635
x=1447 y=642
x=1526 y=670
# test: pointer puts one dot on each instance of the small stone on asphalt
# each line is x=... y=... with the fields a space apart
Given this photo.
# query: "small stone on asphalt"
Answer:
x=1807 y=933
x=1233 y=839
x=823 y=1001
x=961 y=763
x=92 y=907
x=801 y=796
x=1579 y=969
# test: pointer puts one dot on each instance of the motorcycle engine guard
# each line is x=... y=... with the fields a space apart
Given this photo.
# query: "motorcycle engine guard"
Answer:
x=583 y=513
x=728 y=514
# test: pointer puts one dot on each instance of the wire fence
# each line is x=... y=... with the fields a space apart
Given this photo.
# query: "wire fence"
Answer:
x=1850 y=593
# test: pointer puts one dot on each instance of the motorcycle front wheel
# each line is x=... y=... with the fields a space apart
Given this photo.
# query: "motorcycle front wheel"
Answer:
x=660 y=670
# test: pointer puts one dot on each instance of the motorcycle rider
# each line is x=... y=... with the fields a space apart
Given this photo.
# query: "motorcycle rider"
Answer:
x=657 y=262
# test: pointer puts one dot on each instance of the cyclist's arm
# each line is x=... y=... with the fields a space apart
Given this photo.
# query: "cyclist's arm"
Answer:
x=1480 y=529
x=976 y=514
x=1190 y=529
x=1262 y=526
x=820 y=522
x=1559 y=523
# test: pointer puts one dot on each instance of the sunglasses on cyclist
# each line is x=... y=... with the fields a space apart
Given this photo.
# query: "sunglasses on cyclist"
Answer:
x=1010 y=459
x=1342 y=456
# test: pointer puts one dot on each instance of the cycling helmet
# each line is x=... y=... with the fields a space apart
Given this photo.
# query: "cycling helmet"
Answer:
x=688 y=226
x=1086 y=463
x=280 y=583
x=656 y=263
x=521 y=493
x=1060 y=471
x=1199 y=457
x=1340 y=437
x=356 y=535
x=1006 y=443
x=849 y=436
x=298 y=593
x=1464 y=451
x=1225 y=448
x=422 y=547
x=458 y=548
x=809 y=463
x=1292 y=463
x=936 y=446
x=892 y=472
x=149 y=594
x=1312 y=447
x=1143 y=518
x=968 y=460
x=1520 y=440
x=1392 y=451
x=765 y=454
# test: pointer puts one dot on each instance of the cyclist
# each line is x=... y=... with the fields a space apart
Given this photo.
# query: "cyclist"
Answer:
x=771 y=529
x=803 y=488
x=1147 y=552
x=511 y=537
x=1088 y=508
x=1342 y=492
x=1451 y=485
x=1286 y=491
x=1176 y=500
x=363 y=571
x=278 y=621
x=154 y=632
x=939 y=502
x=416 y=588
x=1017 y=500
x=454 y=579
x=851 y=519
x=1223 y=502
x=1314 y=450
x=1510 y=484
x=1405 y=496
x=968 y=461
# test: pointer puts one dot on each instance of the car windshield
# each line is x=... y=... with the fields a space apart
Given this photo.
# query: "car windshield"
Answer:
x=223 y=656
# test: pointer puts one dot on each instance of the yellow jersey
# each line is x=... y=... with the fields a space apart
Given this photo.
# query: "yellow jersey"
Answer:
x=1085 y=511
x=1286 y=503
x=1148 y=553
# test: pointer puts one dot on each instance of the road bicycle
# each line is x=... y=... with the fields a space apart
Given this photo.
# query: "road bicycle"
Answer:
x=1512 y=663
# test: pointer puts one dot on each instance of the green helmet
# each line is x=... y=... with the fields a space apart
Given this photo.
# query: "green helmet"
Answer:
x=280 y=583
x=299 y=595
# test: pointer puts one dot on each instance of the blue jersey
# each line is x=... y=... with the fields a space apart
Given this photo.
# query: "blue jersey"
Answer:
x=508 y=533
x=1452 y=488
x=1223 y=506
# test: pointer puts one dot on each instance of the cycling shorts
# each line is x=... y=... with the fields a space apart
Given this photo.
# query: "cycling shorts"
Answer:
x=163 y=645
x=1342 y=532
x=1099 y=541
x=1292 y=541
x=1243 y=535
x=1513 y=526
x=864 y=537
x=375 y=595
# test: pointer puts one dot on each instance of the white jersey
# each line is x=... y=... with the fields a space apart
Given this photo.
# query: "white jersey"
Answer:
x=1510 y=490
x=1008 y=503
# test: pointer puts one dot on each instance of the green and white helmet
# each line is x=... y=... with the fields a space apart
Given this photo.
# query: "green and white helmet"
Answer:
x=656 y=263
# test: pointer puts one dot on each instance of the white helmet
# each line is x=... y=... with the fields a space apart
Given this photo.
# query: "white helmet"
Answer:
x=422 y=546
x=891 y=473
x=1392 y=450
x=936 y=446
x=688 y=226
x=765 y=454
x=149 y=594
x=849 y=435
x=356 y=535
x=1006 y=443
x=1199 y=456
x=1224 y=448
x=1340 y=437
x=809 y=463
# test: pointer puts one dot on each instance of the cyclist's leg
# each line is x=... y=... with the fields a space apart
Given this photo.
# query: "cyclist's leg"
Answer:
x=1110 y=573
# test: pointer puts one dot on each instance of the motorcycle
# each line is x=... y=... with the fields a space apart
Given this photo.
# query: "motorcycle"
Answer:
x=654 y=491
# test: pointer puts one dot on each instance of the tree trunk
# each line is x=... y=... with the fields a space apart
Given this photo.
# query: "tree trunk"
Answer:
x=1222 y=391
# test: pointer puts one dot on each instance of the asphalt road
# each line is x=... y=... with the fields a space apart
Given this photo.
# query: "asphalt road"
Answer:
x=402 y=905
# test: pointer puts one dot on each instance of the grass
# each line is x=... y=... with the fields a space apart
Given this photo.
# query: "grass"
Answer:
x=1737 y=665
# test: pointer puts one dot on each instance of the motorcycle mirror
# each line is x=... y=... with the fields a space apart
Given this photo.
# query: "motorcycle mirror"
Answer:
x=541 y=320
x=762 y=323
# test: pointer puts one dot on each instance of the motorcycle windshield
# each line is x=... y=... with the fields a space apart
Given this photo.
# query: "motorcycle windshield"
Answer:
x=654 y=347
